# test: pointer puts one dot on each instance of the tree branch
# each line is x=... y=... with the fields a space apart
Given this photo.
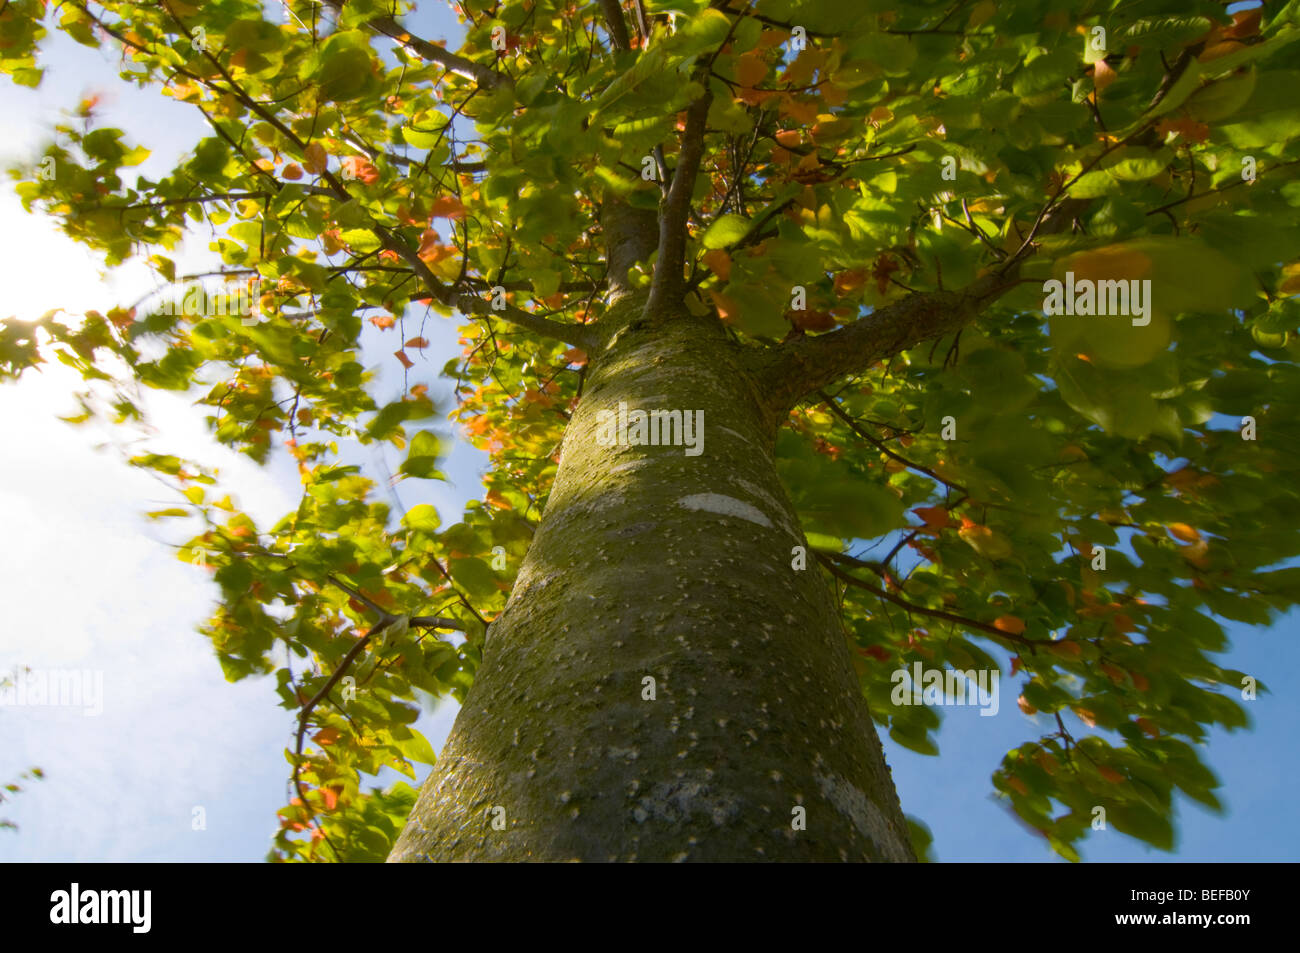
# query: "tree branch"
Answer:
x=613 y=12
x=579 y=334
x=386 y=619
x=668 y=281
x=806 y=364
x=853 y=425
x=483 y=75
x=853 y=580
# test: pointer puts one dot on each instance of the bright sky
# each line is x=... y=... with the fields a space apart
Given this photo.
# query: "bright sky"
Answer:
x=93 y=585
x=90 y=584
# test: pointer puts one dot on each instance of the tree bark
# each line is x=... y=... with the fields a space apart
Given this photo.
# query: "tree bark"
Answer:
x=652 y=563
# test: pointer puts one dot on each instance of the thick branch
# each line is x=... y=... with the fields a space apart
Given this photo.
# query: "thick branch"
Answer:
x=805 y=364
x=613 y=12
x=669 y=281
x=629 y=236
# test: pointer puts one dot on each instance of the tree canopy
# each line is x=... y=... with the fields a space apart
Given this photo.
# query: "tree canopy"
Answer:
x=833 y=181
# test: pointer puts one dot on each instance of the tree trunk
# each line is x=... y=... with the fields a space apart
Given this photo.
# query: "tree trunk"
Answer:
x=652 y=563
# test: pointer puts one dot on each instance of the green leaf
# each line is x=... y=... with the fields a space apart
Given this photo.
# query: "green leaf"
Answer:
x=727 y=230
x=474 y=576
x=422 y=459
x=422 y=517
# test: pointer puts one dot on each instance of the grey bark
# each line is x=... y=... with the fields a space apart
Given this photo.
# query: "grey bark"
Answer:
x=650 y=563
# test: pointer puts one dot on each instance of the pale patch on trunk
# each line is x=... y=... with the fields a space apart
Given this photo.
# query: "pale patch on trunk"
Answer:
x=725 y=506
x=866 y=817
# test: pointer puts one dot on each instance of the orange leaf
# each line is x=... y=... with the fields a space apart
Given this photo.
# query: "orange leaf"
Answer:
x=812 y=320
x=383 y=321
x=1065 y=649
x=417 y=343
x=431 y=252
x=359 y=167
x=882 y=270
x=409 y=215
x=847 y=282
x=1221 y=49
x=727 y=308
x=574 y=355
x=1113 y=672
x=1245 y=23
x=1184 y=533
x=292 y=172
x=1102 y=75
x=447 y=206
x=718 y=262
x=1027 y=708
x=326 y=736
x=804 y=113
x=1188 y=129
x=494 y=498
x=750 y=70
x=935 y=517
x=833 y=95
x=1017 y=785
x=406 y=361
x=1009 y=623
x=1110 y=774
x=755 y=97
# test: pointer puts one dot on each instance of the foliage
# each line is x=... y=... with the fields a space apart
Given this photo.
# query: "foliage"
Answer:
x=905 y=148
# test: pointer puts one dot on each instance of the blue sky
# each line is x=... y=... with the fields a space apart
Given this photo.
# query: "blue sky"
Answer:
x=93 y=585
